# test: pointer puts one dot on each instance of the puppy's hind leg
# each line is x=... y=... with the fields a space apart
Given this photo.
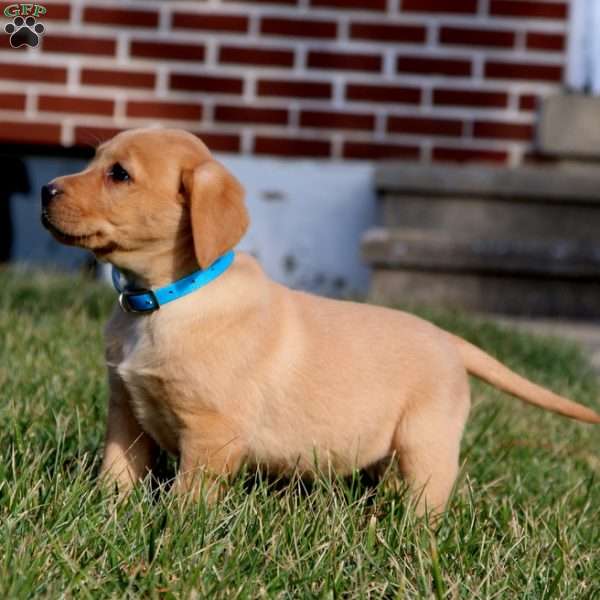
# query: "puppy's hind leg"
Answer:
x=427 y=447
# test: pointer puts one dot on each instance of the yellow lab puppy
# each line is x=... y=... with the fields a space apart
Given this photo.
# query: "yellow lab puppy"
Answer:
x=239 y=368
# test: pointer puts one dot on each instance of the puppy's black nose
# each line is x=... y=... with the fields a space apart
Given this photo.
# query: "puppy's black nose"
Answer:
x=49 y=192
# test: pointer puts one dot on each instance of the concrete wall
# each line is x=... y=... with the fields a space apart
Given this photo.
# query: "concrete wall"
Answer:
x=307 y=220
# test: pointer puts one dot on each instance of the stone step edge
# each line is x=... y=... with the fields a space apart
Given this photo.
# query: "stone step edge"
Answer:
x=544 y=184
x=437 y=251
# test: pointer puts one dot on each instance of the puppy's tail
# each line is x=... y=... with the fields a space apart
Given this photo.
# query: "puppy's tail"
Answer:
x=482 y=365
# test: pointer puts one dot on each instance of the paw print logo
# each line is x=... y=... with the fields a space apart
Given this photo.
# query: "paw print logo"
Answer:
x=24 y=32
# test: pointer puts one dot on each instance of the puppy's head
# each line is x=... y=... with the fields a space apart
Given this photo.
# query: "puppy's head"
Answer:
x=148 y=194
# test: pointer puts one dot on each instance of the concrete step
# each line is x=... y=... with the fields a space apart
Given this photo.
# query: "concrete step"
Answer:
x=403 y=247
x=527 y=202
x=569 y=127
x=510 y=276
x=489 y=217
x=545 y=184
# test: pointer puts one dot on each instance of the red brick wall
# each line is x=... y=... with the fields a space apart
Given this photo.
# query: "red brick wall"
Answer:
x=441 y=80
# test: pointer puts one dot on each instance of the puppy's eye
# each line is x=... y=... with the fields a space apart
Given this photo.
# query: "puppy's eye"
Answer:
x=118 y=173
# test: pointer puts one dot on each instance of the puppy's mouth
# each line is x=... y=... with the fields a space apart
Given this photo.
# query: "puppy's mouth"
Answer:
x=68 y=239
x=60 y=235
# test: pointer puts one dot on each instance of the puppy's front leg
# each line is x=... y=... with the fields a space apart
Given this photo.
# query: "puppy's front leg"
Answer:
x=210 y=451
x=129 y=452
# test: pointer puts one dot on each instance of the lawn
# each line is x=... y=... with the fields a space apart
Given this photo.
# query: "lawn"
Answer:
x=524 y=522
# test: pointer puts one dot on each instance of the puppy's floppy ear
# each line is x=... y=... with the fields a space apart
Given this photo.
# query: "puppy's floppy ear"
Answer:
x=217 y=212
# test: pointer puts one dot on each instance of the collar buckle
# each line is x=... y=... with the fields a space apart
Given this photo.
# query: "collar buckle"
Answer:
x=138 y=301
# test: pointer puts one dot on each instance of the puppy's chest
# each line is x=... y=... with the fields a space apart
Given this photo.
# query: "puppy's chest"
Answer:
x=152 y=375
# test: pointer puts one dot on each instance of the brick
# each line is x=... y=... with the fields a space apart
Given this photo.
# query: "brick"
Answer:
x=323 y=119
x=306 y=28
x=12 y=101
x=440 y=6
x=522 y=8
x=120 y=16
x=344 y=61
x=210 y=22
x=164 y=110
x=30 y=133
x=291 y=146
x=129 y=79
x=221 y=142
x=425 y=126
x=247 y=114
x=523 y=71
x=388 y=33
x=294 y=89
x=74 y=105
x=456 y=67
x=33 y=73
x=506 y=131
x=266 y=57
x=372 y=5
x=379 y=151
x=94 y=136
x=54 y=12
x=206 y=83
x=383 y=93
x=444 y=154
x=71 y=44
x=471 y=98
x=545 y=41
x=467 y=36
x=166 y=50
x=528 y=102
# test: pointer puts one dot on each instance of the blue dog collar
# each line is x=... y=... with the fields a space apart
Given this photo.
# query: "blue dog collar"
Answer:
x=147 y=301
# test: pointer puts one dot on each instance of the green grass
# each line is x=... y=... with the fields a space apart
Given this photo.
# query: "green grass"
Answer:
x=524 y=523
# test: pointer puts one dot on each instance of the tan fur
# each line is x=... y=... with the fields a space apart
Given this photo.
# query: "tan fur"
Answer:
x=246 y=370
